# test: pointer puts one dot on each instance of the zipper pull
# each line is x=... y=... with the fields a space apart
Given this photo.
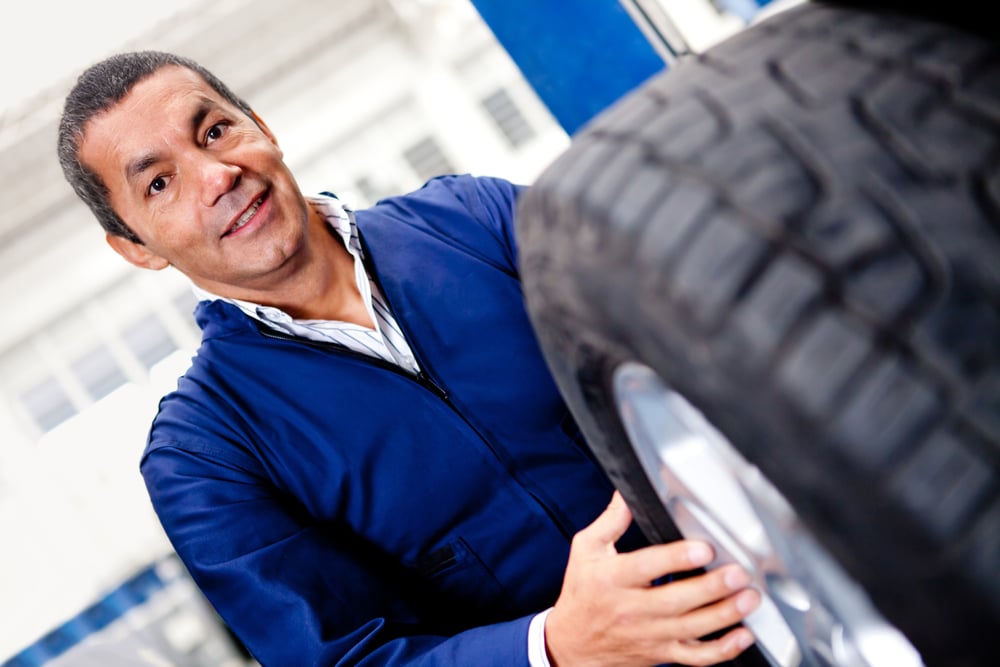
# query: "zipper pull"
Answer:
x=426 y=381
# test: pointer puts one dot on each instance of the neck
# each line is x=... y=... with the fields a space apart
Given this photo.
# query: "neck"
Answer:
x=326 y=289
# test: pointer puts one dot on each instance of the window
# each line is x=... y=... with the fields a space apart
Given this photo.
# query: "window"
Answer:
x=148 y=340
x=504 y=112
x=98 y=371
x=427 y=159
x=47 y=404
x=372 y=191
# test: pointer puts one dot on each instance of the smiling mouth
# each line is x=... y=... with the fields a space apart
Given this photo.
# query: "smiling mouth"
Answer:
x=246 y=215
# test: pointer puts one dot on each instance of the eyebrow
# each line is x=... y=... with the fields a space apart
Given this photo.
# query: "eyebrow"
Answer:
x=141 y=164
x=135 y=168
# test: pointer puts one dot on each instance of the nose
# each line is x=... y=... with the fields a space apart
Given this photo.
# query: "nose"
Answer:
x=217 y=178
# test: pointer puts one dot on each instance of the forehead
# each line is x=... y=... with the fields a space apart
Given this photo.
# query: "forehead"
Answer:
x=158 y=107
x=170 y=88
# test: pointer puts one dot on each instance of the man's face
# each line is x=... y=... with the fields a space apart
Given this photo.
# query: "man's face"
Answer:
x=200 y=183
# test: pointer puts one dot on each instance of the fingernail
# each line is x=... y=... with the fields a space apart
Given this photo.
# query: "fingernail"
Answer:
x=744 y=640
x=747 y=601
x=736 y=577
x=699 y=554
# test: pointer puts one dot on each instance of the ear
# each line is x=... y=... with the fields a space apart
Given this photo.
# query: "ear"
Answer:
x=265 y=129
x=136 y=253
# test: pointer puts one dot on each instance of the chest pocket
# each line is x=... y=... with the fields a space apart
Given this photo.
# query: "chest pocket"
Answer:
x=466 y=591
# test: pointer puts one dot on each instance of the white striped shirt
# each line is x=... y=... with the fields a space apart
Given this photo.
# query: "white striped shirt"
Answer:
x=384 y=342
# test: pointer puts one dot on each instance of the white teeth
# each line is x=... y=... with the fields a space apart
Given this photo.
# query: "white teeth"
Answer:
x=247 y=214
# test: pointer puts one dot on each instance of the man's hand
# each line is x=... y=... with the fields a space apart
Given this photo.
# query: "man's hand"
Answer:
x=608 y=613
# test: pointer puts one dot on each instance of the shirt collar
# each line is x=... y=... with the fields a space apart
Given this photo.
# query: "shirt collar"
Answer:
x=341 y=220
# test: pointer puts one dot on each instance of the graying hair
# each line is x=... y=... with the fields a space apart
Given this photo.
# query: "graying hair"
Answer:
x=98 y=89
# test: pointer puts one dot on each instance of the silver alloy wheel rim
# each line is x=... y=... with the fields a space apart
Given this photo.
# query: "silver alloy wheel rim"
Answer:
x=812 y=613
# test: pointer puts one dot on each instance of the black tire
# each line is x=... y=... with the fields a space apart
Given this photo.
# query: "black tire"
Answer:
x=965 y=14
x=799 y=231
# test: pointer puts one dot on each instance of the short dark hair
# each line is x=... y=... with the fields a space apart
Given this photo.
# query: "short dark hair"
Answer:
x=99 y=88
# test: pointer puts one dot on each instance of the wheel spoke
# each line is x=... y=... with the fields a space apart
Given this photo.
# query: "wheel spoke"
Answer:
x=811 y=612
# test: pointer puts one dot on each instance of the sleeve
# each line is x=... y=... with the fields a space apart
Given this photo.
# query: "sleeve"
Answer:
x=446 y=203
x=538 y=655
x=493 y=201
x=297 y=593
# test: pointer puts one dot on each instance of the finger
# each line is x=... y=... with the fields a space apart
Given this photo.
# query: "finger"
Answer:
x=698 y=653
x=680 y=597
x=642 y=566
x=714 y=617
x=607 y=528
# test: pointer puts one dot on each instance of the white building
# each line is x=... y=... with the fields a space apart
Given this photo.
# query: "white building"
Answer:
x=367 y=100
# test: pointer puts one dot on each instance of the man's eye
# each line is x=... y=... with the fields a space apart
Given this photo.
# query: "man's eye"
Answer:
x=158 y=184
x=215 y=132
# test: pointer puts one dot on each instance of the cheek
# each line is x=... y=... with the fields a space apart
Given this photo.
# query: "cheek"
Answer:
x=140 y=214
x=122 y=204
x=264 y=147
x=170 y=232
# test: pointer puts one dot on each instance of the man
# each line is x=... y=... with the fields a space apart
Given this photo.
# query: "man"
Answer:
x=367 y=462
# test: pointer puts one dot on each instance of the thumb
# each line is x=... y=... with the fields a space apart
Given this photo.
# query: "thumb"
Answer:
x=609 y=526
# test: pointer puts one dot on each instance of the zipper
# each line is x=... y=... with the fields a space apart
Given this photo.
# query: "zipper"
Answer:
x=425 y=381
x=431 y=384
x=422 y=378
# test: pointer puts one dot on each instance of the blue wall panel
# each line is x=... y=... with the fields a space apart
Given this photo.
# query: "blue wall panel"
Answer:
x=579 y=56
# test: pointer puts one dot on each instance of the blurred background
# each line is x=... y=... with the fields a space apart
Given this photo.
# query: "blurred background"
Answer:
x=368 y=100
